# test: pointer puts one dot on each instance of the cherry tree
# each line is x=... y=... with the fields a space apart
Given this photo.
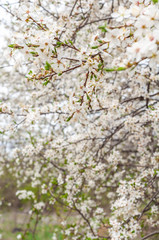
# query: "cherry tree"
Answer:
x=80 y=120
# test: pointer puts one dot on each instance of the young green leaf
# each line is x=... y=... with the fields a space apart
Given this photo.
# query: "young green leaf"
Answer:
x=155 y=1
x=47 y=66
x=103 y=29
x=16 y=46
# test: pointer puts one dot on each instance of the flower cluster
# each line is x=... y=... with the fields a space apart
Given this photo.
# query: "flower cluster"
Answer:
x=81 y=117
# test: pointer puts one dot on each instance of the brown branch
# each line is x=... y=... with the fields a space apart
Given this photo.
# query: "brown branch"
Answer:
x=38 y=24
x=150 y=235
x=85 y=83
x=148 y=90
x=147 y=206
x=53 y=74
x=84 y=219
x=99 y=20
x=73 y=7
x=66 y=45
x=47 y=10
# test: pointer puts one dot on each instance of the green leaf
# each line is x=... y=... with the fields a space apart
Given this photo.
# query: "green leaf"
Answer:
x=54 y=51
x=58 y=44
x=103 y=28
x=47 y=66
x=94 y=47
x=35 y=54
x=30 y=72
x=64 y=196
x=120 y=69
x=114 y=69
x=16 y=46
x=155 y=1
x=88 y=98
x=100 y=65
x=46 y=82
x=11 y=45
x=79 y=100
x=151 y=107
x=109 y=69
x=69 y=118
x=32 y=45
x=54 y=181
x=70 y=42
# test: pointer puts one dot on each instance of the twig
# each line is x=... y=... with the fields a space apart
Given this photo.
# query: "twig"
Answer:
x=73 y=8
x=150 y=235
x=147 y=206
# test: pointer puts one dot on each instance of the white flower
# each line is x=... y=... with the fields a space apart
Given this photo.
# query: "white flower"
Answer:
x=152 y=12
x=154 y=209
x=121 y=14
x=19 y=236
x=44 y=189
x=135 y=10
x=39 y=205
x=23 y=194
x=60 y=179
x=54 y=237
x=113 y=37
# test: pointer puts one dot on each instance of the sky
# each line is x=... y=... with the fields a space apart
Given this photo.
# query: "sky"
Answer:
x=4 y=17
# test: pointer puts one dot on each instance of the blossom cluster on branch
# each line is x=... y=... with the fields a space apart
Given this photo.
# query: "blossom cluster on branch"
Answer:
x=81 y=115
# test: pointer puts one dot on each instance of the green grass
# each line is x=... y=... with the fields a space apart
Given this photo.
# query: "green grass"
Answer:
x=44 y=230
